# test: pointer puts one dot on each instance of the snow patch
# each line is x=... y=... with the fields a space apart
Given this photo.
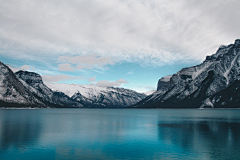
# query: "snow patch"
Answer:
x=149 y=92
x=225 y=74
x=207 y=103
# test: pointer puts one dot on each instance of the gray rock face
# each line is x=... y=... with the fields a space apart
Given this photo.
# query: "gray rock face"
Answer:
x=194 y=86
x=164 y=83
x=30 y=78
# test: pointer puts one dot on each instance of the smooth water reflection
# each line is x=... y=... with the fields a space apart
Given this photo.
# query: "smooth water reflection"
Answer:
x=119 y=134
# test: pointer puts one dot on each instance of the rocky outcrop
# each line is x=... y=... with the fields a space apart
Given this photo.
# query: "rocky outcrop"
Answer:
x=164 y=83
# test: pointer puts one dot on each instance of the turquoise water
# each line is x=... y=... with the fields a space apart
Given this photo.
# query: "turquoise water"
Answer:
x=119 y=134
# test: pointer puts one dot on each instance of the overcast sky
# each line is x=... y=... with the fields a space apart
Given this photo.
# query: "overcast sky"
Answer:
x=125 y=43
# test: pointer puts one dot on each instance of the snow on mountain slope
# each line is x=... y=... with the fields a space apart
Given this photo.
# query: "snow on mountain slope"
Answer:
x=70 y=89
x=107 y=96
x=149 y=92
x=13 y=92
x=195 y=85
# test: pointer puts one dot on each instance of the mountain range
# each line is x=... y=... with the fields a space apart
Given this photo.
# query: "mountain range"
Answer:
x=26 y=89
x=215 y=83
x=103 y=96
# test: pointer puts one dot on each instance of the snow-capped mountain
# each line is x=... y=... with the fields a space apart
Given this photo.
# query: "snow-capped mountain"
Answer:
x=103 y=96
x=26 y=89
x=13 y=92
x=204 y=85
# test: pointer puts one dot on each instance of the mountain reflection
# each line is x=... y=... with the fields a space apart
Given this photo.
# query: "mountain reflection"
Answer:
x=20 y=132
x=119 y=134
x=216 y=139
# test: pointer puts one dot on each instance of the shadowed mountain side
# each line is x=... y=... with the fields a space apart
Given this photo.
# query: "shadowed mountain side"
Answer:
x=229 y=97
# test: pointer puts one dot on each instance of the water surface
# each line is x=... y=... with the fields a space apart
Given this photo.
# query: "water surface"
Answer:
x=119 y=134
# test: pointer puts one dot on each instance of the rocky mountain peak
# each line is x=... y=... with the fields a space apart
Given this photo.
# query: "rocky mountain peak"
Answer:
x=237 y=42
x=224 y=51
x=29 y=77
x=164 y=83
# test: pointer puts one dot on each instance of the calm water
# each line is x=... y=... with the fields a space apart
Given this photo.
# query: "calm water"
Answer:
x=119 y=134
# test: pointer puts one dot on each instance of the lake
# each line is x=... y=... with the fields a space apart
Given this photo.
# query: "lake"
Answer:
x=119 y=134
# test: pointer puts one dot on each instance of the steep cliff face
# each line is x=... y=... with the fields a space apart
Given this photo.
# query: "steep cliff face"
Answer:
x=164 y=83
x=184 y=89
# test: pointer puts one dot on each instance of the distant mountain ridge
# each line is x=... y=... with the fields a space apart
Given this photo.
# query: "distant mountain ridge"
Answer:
x=208 y=85
x=26 y=89
x=106 y=96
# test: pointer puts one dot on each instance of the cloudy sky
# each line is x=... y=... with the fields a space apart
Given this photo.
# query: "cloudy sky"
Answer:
x=123 y=43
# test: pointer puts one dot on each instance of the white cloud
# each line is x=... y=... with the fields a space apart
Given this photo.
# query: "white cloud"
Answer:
x=129 y=73
x=111 y=83
x=107 y=83
x=60 y=78
x=87 y=61
x=93 y=79
x=151 y=32
x=65 y=67
x=122 y=81
x=24 y=67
